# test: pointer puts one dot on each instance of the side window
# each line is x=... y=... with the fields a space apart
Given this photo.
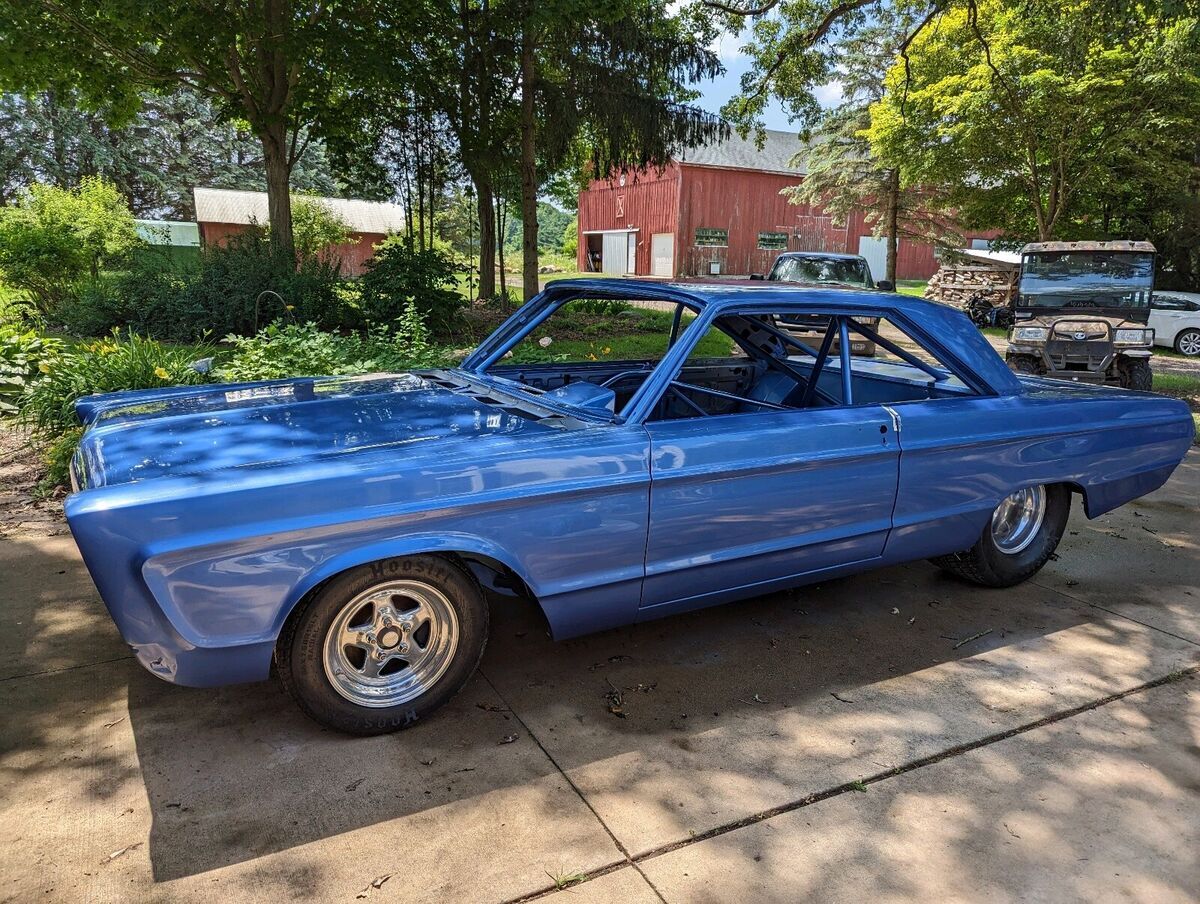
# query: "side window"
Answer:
x=772 y=361
x=894 y=355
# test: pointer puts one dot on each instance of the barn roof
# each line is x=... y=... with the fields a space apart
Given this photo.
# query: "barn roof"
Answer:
x=743 y=153
x=223 y=205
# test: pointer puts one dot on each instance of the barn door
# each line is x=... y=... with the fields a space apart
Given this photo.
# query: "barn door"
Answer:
x=662 y=254
x=615 y=252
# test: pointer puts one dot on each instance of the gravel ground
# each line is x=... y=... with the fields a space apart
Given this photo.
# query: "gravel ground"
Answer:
x=21 y=511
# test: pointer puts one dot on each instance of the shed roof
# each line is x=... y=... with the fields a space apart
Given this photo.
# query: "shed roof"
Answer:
x=223 y=205
x=743 y=153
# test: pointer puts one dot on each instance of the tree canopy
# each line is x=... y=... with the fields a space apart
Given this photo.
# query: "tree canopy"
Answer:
x=1035 y=118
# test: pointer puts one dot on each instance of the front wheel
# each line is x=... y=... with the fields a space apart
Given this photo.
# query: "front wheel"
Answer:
x=382 y=645
x=1135 y=373
x=1019 y=539
x=1188 y=343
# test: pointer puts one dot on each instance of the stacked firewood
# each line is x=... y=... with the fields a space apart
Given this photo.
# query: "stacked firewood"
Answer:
x=958 y=284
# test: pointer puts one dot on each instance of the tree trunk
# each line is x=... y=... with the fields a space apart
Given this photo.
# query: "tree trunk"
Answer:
x=893 y=224
x=500 y=234
x=279 y=197
x=487 y=237
x=529 y=183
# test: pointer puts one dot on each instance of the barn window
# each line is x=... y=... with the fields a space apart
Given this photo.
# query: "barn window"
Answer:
x=712 y=237
x=772 y=241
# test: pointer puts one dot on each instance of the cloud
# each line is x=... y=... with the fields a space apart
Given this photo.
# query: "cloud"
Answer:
x=829 y=94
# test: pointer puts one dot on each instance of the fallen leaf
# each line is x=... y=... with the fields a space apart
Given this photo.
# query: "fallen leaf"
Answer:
x=353 y=786
x=373 y=885
x=508 y=739
x=125 y=850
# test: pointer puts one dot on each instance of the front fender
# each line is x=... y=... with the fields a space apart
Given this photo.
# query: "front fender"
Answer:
x=224 y=597
x=392 y=548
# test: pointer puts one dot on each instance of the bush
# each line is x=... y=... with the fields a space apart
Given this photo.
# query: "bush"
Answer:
x=55 y=237
x=109 y=365
x=23 y=356
x=315 y=228
x=298 y=350
x=570 y=238
x=399 y=275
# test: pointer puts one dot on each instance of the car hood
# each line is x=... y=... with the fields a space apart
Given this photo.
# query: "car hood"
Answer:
x=188 y=430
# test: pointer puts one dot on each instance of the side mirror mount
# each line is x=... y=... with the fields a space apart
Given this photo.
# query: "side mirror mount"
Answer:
x=885 y=285
x=758 y=276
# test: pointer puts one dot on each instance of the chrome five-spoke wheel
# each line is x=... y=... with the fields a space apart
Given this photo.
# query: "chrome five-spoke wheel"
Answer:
x=1018 y=518
x=391 y=644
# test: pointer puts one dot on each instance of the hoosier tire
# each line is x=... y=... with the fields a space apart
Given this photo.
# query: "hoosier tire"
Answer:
x=383 y=645
x=1012 y=547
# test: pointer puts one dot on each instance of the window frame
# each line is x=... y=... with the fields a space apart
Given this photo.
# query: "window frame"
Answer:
x=782 y=235
x=699 y=244
x=642 y=405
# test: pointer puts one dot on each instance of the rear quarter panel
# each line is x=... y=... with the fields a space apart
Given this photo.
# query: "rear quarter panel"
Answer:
x=960 y=457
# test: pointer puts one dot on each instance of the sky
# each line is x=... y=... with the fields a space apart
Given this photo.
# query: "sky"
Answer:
x=716 y=92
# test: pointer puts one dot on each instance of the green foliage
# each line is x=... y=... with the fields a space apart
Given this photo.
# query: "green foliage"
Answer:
x=175 y=142
x=315 y=228
x=23 y=356
x=304 y=350
x=570 y=237
x=56 y=456
x=111 y=364
x=399 y=276
x=55 y=237
x=1047 y=121
x=600 y=307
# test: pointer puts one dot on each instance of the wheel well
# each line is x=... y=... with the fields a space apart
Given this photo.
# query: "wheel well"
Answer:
x=492 y=574
x=1076 y=489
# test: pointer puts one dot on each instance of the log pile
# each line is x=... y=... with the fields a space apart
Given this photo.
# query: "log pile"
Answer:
x=958 y=284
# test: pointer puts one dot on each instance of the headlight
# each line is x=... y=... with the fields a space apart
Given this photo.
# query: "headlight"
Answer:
x=1134 y=337
x=1029 y=334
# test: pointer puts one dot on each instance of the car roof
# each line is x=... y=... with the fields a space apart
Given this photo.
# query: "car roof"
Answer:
x=943 y=325
x=737 y=292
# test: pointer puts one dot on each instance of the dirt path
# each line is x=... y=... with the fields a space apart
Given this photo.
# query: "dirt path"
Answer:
x=20 y=468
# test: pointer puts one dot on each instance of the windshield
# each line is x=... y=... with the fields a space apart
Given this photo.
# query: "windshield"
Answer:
x=847 y=271
x=1087 y=279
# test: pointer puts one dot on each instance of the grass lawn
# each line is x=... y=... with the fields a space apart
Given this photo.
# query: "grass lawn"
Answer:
x=636 y=334
x=911 y=287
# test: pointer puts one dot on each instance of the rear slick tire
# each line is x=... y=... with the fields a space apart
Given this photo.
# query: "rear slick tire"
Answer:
x=1019 y=538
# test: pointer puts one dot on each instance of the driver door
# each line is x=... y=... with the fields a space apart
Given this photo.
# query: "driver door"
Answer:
x=754 y=496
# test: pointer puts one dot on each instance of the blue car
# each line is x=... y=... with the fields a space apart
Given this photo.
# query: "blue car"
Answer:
x=346 y=528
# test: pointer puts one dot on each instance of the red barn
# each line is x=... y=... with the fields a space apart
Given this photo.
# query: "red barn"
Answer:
x=224 y=212
x=718 y=210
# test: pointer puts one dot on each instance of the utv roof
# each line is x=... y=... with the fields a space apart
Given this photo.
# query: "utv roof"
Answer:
x=835 y=255
x=1059 y=247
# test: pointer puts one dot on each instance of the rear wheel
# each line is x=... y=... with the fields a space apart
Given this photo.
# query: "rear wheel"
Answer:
x=1022 y=534
x=382 y=645
x=1188 y=343
x=1135 y=373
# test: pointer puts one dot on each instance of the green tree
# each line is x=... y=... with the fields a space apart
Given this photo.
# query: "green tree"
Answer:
x=617 y=72
x=1031 y=117
x=842 y=174
x=54 y=237
x=280 y=65
x=315 y=227
x=570 y=237
x=175 y=142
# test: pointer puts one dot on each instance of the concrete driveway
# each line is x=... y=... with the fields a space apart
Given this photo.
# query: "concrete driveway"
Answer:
x=888 y=737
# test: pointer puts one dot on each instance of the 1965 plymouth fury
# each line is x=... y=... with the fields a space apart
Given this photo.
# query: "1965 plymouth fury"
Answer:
x=345 y=528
